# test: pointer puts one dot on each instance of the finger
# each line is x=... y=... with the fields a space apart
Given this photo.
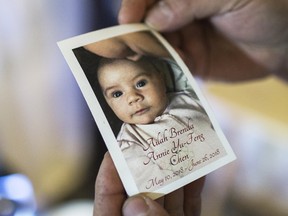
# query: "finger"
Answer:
x=174 y=203
x=161 y=201
x=144 y=206
x=190 y=43
x=109 y=191
x=168 y=15
x=110 y=48
x=192 y=197
x=211 y=55
x=132 y=11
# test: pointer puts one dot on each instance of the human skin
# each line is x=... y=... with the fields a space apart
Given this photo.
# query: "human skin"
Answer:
x=111 y=199
x=128 y=46
x=227 y=40
x=135 y=91
x=110 y=196
x=116 y=79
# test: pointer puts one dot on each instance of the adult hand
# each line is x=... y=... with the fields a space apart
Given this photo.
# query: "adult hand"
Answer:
x=131 y=46
x=110 y=197
x=221 y=39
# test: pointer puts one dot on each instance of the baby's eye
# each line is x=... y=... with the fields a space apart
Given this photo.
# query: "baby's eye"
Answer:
x=116 y=94
x=141 y=83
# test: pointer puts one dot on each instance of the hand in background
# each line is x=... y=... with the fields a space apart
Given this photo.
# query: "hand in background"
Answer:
x=223 y=39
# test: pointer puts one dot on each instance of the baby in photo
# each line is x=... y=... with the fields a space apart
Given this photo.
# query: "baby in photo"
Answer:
x=166 y=133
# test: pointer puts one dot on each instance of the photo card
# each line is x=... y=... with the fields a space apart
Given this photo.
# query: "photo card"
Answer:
x=157 y=125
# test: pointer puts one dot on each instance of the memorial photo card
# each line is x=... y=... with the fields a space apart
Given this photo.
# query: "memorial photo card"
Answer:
x=157 y=125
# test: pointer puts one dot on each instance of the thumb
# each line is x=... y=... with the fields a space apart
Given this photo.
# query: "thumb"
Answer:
x=168 y=15
x=142 y=205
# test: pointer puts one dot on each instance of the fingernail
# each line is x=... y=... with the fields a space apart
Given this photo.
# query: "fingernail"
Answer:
x=159 y=16
x=135 y=206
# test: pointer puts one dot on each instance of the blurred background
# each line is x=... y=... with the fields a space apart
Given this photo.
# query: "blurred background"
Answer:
x=50 y=148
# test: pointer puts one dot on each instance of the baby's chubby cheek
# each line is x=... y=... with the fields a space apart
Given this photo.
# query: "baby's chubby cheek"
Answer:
x=123 y=114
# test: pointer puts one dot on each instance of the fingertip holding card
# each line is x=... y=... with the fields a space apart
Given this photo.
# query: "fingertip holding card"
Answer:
x=152 y=195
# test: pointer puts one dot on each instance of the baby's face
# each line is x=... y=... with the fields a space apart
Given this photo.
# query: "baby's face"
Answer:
x=136 y=94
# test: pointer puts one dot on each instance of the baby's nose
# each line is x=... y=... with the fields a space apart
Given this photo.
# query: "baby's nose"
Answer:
x=134 y=97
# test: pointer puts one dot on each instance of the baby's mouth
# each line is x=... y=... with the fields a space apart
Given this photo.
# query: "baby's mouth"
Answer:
x=141 y=111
